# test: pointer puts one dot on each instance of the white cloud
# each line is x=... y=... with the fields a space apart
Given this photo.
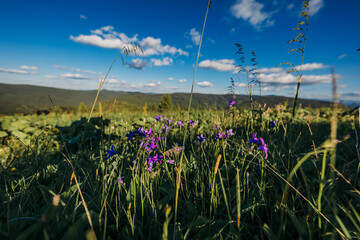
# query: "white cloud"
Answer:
x=83 y=17
x=162 y=62
x=250 y=10
x=205 y=84
x=137 y=63
x=189 y=46
x=240 y=85
x=170 y=78
x=290 y=6
x=152 y=83
x=83 y=71
x=60 y=67
x=342 y=56
x=195 y=36
x=211 y=40
x=51 y=77
x=182 y=80
x=315 y=6
x=271 y=70
x=73 y=76
x=219 y=65
x=13 y=71
x=106 y=37
x=171 y=88
x=28 y=67
x=311 y=66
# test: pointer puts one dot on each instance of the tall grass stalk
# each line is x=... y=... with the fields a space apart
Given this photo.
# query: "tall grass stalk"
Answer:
x=178 y=179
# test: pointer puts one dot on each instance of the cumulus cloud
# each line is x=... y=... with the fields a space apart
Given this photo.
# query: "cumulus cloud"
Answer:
x=106 y=37
x=222 y=65
x=311 y=66
x=171 y=88
x=205 y=84
x=83 y=17
x=137 y=63
x=281 y=81
x=195 y=36
x=182 y=80
x=28 y=67
x=170 y=78
x=13 y=71
x=162 y=62
x=152 y=84
x=315 y=6
x=73 y=76
x=251 y=11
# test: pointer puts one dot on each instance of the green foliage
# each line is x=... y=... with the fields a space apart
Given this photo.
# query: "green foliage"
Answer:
x=83 y=108
x=166 y=103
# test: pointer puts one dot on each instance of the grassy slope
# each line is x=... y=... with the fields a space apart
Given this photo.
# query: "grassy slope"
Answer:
x=27 y=98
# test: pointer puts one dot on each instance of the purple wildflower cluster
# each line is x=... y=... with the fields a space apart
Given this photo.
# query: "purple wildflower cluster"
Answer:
x=272 y=123
x=223 y=136
x=151 y=160
x=261 y=144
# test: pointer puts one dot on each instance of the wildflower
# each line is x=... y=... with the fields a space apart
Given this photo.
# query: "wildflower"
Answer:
x=201 y=138
x=130 y=135
x=149 y=132
x=229 y=132
x=170 y=161
x=179 y=123
x=158 y=138
x=168 y=120
x=13 y=169
x=166 y=129
x=158 y=118
x=220 y=136
x=254 y=139
x=111 y=152
x=216 y=126
x=56 y=130
x=151 y=146
x=231 y=102
x=263 y=147
x=152 y=160
x=272 y=123
x=140 y=131
x=120 y=180
x=192 y=123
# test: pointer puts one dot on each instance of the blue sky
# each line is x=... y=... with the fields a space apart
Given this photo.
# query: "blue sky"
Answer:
x=71 y=44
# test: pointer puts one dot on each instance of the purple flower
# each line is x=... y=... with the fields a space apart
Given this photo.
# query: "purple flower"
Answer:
x=272 y=123
x=192 y=123
x=254 y=139
x=151 y=146
x=120 y=180
x=220 y=136
x=158 y=118
x=201 y=138
x=149 y=132
x=111 y=152
x=230 y=132
x=263 y=147
x=170 y=161
x=140 y=131
x=231 y=102
x=216 y=126
x=158 y=138
x=130 y=135
x=152 y=160
x=179 y=123
x=168 y=120
x=166 y=129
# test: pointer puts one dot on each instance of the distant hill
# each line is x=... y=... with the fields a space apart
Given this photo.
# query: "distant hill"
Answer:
x=28 y=98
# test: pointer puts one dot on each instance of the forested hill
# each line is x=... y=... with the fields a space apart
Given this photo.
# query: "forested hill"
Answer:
x=29 y=98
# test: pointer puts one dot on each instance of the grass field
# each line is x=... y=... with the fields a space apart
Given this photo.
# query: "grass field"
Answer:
x=127 y=175
x=243 y=172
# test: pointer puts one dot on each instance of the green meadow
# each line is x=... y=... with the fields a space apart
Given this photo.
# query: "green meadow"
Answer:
x=247 y=170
